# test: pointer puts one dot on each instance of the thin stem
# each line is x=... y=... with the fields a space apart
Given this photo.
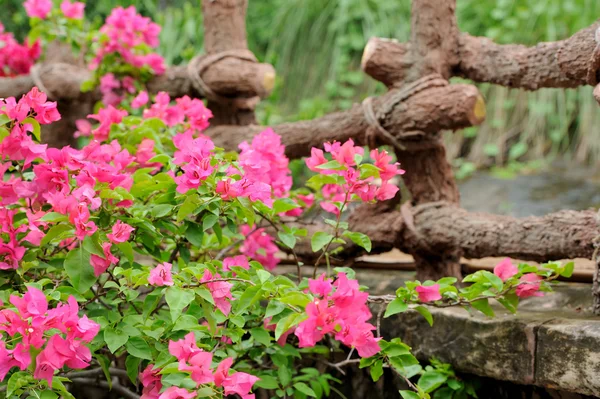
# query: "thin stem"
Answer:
x=335 y=236
x=118 y=388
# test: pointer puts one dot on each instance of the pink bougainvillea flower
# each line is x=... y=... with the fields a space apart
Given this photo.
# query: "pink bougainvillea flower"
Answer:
x=177 y=393
x=220 y=291
x=260 y=246
x=184 y=348
x=321 y=286
x=199 y=367
x=33 y=303
x=238 y=260
x=100 y=264
x=264 y=161
x=38 y=8
x=529 y=286
x=10 y=255
x=429 y=293
x=161 y=275
x=72 y=10
x=151 y=381
x=121 y=232
x=505 y=269
x=140 y=100
x=236 y=383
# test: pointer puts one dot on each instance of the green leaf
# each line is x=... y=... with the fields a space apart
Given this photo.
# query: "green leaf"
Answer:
x=205 y=392
x=138 y=347
x=132 y=365
x=319 y=240
x=161 y=210
x=409 y=395
x=48 y=395
x=57 y=385
x=396 y=306
x=283 y=205
x=335 y=165
x=194 y=234
x=54 y=217
x=209 y=221
x=359 y=239
x=425 y=313
x=510 y=302
x=190 y=204
x=267 y=382
x=305 y=389
x=295 y=298
x=288 y=239
x=431 y=380
x=248 y=298
x=56 y=231
x=105 y=365
x=261 y=336
x=127 y=250
x=17 y=381
x=377 y=370
x=568 y=270
x=263 y=275
x=37 y=129
x=115 y=339
x=274 y=308
x=4 y=119
x=177 y=299
x=78 y=268
x=161 y=158
x=284 y=374
x=484 y=307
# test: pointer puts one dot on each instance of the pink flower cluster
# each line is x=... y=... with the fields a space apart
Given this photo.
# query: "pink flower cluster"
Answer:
x=342 y=312
x=15 y=58
x=260 y=246
x=38 y=8
x=129 y=35
x=41 y=8
x=31 y=323
x=12 y=251
x=354 y=186
x=529 y=284
x=264 y=161
x=113 y=91
x=192 y=114
x=198 y=363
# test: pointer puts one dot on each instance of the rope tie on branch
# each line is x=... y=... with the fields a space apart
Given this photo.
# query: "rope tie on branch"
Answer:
x=201 y=63
x=374 y=119
x=35 y=73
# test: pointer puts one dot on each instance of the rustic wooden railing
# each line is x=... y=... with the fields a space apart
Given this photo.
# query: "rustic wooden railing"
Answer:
x=419 y=105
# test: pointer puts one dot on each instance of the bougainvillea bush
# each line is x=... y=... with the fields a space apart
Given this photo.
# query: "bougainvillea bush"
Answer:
x=146 y=262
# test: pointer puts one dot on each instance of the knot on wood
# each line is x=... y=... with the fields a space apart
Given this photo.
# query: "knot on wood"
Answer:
x=35 y=72
x=399 y=141
x=201 y=63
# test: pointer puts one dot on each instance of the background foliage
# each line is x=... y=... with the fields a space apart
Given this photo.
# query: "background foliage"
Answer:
x=316 y=46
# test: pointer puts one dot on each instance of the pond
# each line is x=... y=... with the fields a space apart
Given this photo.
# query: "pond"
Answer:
x=560 y=187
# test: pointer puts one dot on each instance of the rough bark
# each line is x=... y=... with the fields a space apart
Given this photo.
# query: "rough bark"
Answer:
x=441 y=108
x=559 y=235
x=561 y=64
x=386 y=60
x=225 y=30
x=434 y=38
x=429 y=175
x=225 y=77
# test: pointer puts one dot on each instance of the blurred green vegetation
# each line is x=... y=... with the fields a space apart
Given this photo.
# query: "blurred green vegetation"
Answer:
x=316 y=46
